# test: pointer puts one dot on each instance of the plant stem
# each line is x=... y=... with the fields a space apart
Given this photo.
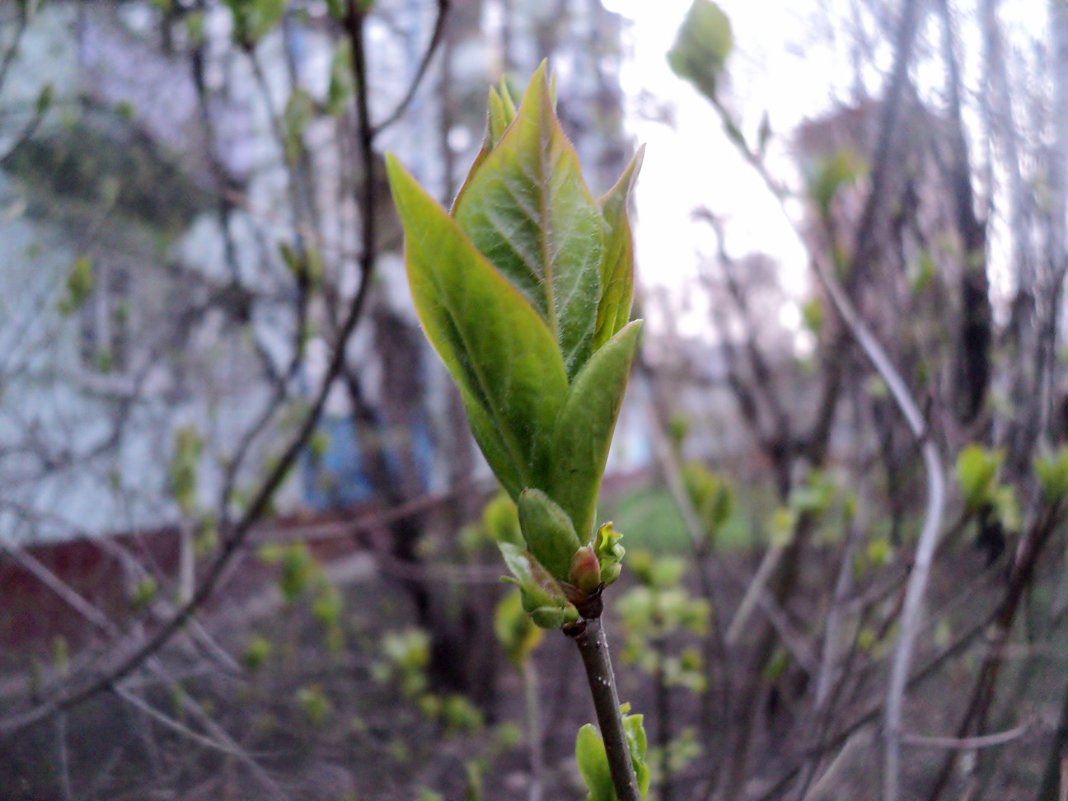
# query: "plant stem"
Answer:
x=593 y=646
x=663 y=722
x=537 y=760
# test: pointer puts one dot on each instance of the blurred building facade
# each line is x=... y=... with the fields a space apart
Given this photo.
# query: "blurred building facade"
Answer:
x=143 y=290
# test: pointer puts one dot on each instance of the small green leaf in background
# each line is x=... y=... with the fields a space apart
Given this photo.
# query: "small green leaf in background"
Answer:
x=514 y=629
x=815 y=496
x=831 y=174
x=977 y=471
x=812 y=315
x=1052 y=474
x=79 y=285
x=711 y=497
x=44 y=99
x=299 y=111
x=500 y=519
x=61 y=655
x=342 y=85
x=657 y=572
x=194 y=27
x=315 y=703
x=1006 y=509
x=404 y=658
x=922 y=273
x=460 y=715
x=257 y=652
x=254 y=19
x=144 y=593
x=781 y=526
x=183 y=469
x=702 y=46
x=528 y=211
x=328 y=605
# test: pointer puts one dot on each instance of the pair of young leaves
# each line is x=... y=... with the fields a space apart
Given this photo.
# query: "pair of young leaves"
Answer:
x=525 y=290
x=592 y=758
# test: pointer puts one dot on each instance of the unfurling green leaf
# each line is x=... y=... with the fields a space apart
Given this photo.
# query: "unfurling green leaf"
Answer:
x=543 y=598
x=702 y=46
x=583 y=432
x=617 y=267
x=548 y=532
x=634 y=730
x=525 y=290
x=592 y=758
x=593 y=764
x=496 y=346
x=502 y=113
x=528 y=211
x=609 y=552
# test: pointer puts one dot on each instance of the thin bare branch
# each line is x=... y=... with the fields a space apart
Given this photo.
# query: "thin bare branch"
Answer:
x=420 y=72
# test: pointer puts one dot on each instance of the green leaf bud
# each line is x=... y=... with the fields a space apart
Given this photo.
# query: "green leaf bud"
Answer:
x=548 y=532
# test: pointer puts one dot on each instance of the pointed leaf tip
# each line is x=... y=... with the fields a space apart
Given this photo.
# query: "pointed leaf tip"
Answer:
x=529 y=212
x=617 y=265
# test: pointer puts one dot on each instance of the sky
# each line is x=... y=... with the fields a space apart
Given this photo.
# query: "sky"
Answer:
x=784 y=62
x=690 y=163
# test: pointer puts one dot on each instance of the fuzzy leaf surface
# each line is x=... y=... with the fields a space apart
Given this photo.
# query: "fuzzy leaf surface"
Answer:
x=584 y=429
x=528 y=211
x=593 y=764
x=548 y=531
x=494 y=344
x=617 y=267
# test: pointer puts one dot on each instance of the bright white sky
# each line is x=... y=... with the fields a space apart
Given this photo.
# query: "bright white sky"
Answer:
x=776 y=67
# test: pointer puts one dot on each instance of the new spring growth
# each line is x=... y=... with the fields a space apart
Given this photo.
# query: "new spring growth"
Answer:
x=524 y=290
